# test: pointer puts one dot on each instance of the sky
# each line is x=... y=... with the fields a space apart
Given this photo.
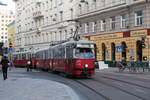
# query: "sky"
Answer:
x=10 y=5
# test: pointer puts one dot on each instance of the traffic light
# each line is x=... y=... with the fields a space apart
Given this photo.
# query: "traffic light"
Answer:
x=10 y=45
x=143 y=44
x=143 y=41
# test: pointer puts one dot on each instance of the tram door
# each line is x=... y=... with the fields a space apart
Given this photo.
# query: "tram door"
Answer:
x=139 y=50
x=113 y=52
x=103 y=52
x=124 y=55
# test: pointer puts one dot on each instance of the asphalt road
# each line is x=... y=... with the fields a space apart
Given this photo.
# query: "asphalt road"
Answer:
x=105 y=85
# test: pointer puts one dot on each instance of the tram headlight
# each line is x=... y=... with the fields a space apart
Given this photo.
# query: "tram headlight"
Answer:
x=86 y=65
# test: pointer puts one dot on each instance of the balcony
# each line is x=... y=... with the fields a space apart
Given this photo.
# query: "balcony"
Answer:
x=38 y=14
x=103 y=6
x=38 y=2
x=15 y=0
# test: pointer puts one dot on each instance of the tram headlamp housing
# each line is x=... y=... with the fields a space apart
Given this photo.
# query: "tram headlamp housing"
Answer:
x=145 y=58
x=86 y=65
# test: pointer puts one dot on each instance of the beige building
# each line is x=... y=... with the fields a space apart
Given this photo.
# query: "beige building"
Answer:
x=120 y=28
x=11 y=34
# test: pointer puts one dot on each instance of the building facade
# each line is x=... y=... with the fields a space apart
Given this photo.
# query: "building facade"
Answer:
x=11 y=34
x=120 y=28
x=6 y=17
x=42 y=22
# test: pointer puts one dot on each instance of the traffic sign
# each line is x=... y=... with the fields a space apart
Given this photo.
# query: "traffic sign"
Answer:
x=119 y=48
x=10 y=49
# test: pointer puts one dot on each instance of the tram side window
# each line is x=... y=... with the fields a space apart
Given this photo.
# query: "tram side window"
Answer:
x=29 y=56
x=43 y=54
x=63 y=52
x=20 y=56
x=37 y=55
x=33 y=55
x=56 y=53
x=50 y=53
x=53 y=51
x=15 y=57
x=69 y=53
x=46 y=54
x=23 y=56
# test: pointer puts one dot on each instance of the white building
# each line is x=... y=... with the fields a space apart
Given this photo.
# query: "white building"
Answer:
x=41 y=22
x=6 y=17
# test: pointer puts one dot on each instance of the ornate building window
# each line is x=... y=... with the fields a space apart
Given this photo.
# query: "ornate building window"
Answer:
x=94 y=26
x=123 y=23
x=138 y=18
x=103 y=25
x=112 y=22
x=86 y=27
x=87 y=7
x=80 y=9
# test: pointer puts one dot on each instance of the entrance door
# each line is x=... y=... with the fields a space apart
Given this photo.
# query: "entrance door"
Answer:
x=113 y=52
x=124 y=53
x=139 y=50
x=103 y=52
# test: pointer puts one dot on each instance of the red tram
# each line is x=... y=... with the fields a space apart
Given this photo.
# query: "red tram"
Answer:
x=72 y=58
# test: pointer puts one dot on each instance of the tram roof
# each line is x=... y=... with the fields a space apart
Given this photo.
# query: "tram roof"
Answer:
x=78 y=42
x=22 y=52
x=41 y=49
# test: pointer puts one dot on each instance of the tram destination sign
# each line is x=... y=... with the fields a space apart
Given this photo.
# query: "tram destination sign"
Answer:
x=85 y=45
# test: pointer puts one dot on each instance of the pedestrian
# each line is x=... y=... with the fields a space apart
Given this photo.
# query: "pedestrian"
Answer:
x=29 y=65
x=5 y=65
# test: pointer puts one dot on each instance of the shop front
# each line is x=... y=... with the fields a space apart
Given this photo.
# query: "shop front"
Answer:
x=124 y=46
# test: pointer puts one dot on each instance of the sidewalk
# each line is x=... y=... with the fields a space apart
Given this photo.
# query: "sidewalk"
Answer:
x=19 y=86
x=126 y=72
x=116 y=70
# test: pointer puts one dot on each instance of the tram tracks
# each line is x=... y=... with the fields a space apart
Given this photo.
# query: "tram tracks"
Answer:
x=115 y=87
x=127 y=82
x=93 y=90
x=121 y=89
